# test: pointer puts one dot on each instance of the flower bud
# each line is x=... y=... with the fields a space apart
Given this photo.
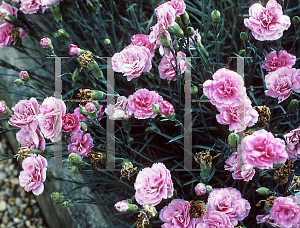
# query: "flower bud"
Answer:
x=263 y=191
x=126 y=125
x=130 y=140
x=179 y=21
x=176 y=47
x=96 y=94
x=215 y=16
x=75 y=75
x=233 y=139
x=96 y=104
x=57 y=197
x=73 y=50
x=107 y=41
x=194 y=90
x=166 y=108
x=2 y=108
x=19 y=82
x=155 y=108
x=45 y=42
x=150 y=75
x=74 y=158
x=83 y=126
x=200 y=189
x=165 y=41
x=74 y=169
x=150 y=129
x=175 y=30
x=292 y=105
x=121 y=206
x=243 y=35
x=24 y=76
x=190 y=31
x=185 y=18
x=209 y=188
x=61 y=34
x=296 y=20
x=66 y=203
x=56 y=12
x=242 y=52
x=83 y=111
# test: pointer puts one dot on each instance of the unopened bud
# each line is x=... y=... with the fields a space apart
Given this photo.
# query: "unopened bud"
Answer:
x=175 y=30
x=2 y=107
x=242 y=52
x=56 y=12
x=185 y=18
x=24 y=76
x=57 y=197
x=292 y=105
x=75 y=75
x=165 y=41
x=215 y=16
x=190 y=31
x=263 y=191
x=233 y=139
x=19 y=82
x=83 y=111
x=126 y=125
x=130 y=140
x=150 y=129
x=209 y=188
x=107 y=41
x=179 y=21
x=74 y=169
x=83 y=126
x=243 y=35
x=66 y=203
x=74 y=158
x=96 y=94
x=155 y=108
x=61 y=34
x=194 y=90
x=296 y=20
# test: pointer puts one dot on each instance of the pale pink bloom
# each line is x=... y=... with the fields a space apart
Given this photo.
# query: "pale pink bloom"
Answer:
x=230 y=202
x=159 y=29
x=267 y=23
x=166 y=108
x=285 y=212
x=132 y=61
x=7 y=9
x=165 y=68
x=140 y=103
x=226 y=88
x=262 y=149
x=50 y=118
x=293 y=144
x=119 y=110
x=153 y=184
x=33 y=174
x=121 y=206
x=73 y=50
x=25 y=112
x=268 y=219
x=166 y=13
x=30 y=6
x=200 y=189
x=45 y=42
x=80 y=144
x=176 y=214
x=5 y=39
x=90 y=107
x=23 y=75
x=48 y=3
x=178 y=5
x=70 y=122
x=143 y=40
x=2 y=107
x=281 y=82
x=238 y=117
x=274 y=61
x=215 y=219
x=31 y=138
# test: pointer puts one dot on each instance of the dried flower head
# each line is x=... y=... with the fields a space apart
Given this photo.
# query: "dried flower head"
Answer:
x=15 y=35
x=247 y=133
x=204 y=157
x=282 y=173
x=296 y=184
x=264 y=115
x=270 y=201
x=86 y=60
x=197 y=209
x=84 y=94
x=144 y=217
x=94 y=158
x=23 y=153
x=127 y=170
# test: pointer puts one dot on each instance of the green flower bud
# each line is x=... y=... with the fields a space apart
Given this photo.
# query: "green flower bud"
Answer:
x=66 y=203
x=83 y=111
x=61 y=34
x=130 y=140
x=150 y=129
x=242 y=52
x=233 y=139
x=215 y=16
x=175 y=30
x=93 y=115
x=292 y=105
x=243 y=35
x=176 y=47
x=107 y=41
x=131 y=207
x=150 y=75
x=57 y=197
x=165 y=41
x=263 y=191
x=190 y=31
x=179 y=21
x=97 y=106
x=295 y=20
x=75 y=75
x=208 y=188
x=96 y=94
x=74 y=169
x=19 y=82
x=74 y=158
x=56 y=12
x=185 y=18
x=126 y=125
x=83 y=126
x=95 y=70
x=155 y=109
x=194 y=90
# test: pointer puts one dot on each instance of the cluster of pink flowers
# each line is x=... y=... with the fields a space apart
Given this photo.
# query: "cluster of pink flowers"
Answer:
x=267 y=23
x=227 y=92
x=285 y=213
x=293 y=144
x=262 y=149
x=33 y=6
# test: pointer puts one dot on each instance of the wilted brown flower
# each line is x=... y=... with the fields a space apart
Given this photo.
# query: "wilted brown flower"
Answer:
x=144 y=217
x=270 y=201
x=296 y=184
x=197 y=209
x=204 y=158
x=15 y=35
x=264 y=115
x=86 y=60
x=127 y=170
x=23 y=153
x=84 y=94
x=95 y=158
x=282 y=173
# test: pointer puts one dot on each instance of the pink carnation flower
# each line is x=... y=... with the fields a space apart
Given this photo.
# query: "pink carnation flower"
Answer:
x=30 y=6
x=143 y=40
x=132 y=61
x=215 y=219
x=166 y=14
x=50 y=118
x=274 y=61
x=7 y=9
x=119 y=110
x=90 y=107
x=45 y=42
x=176 y=214
x=267 y=23
x=165 y=68
x=70 y=122
x=230 y=202
x=73 y=50
x=140 y=103
x=34 y=174
x=5 y=39
x=200 y=189
x=80 y=144
x=262 y=149
x=31 y=138
x=178 y=5
x=153 y=184
x=281 y=82
x=25 y=112
x=24 y=75
x=2 y=107
x=121 y=206
x=166 y=108
x=293 y=144
x=285 y=212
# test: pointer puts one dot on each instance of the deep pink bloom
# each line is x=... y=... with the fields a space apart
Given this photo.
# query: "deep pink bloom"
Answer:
x=166 y=71
x=70 y=122
x=274 y=61
x=166 y=108
x=31 y=138
x=178 y=5
x=5 y=39
x=24 y=75
x=45 y=42
x=30 y=6
x=200 y=189
x=121 y=206
x=143 y=40
x=153 y=184
x=90 y=107
x=132 y=61
x=73 y=50
x=226 y=88
x=293 y=144
x=34 y=174
x=176 y=214
x=281 y=82
x=140 y=103
x=215 y=219
x=100 y=112
x=267 y=23
x=119 y=110
x=25 y=112
x=262 y=149
x=50 y=118
x=285 y=212
x=80 y=144
x=2 y=107
x=166 y=14
x=230 y=202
